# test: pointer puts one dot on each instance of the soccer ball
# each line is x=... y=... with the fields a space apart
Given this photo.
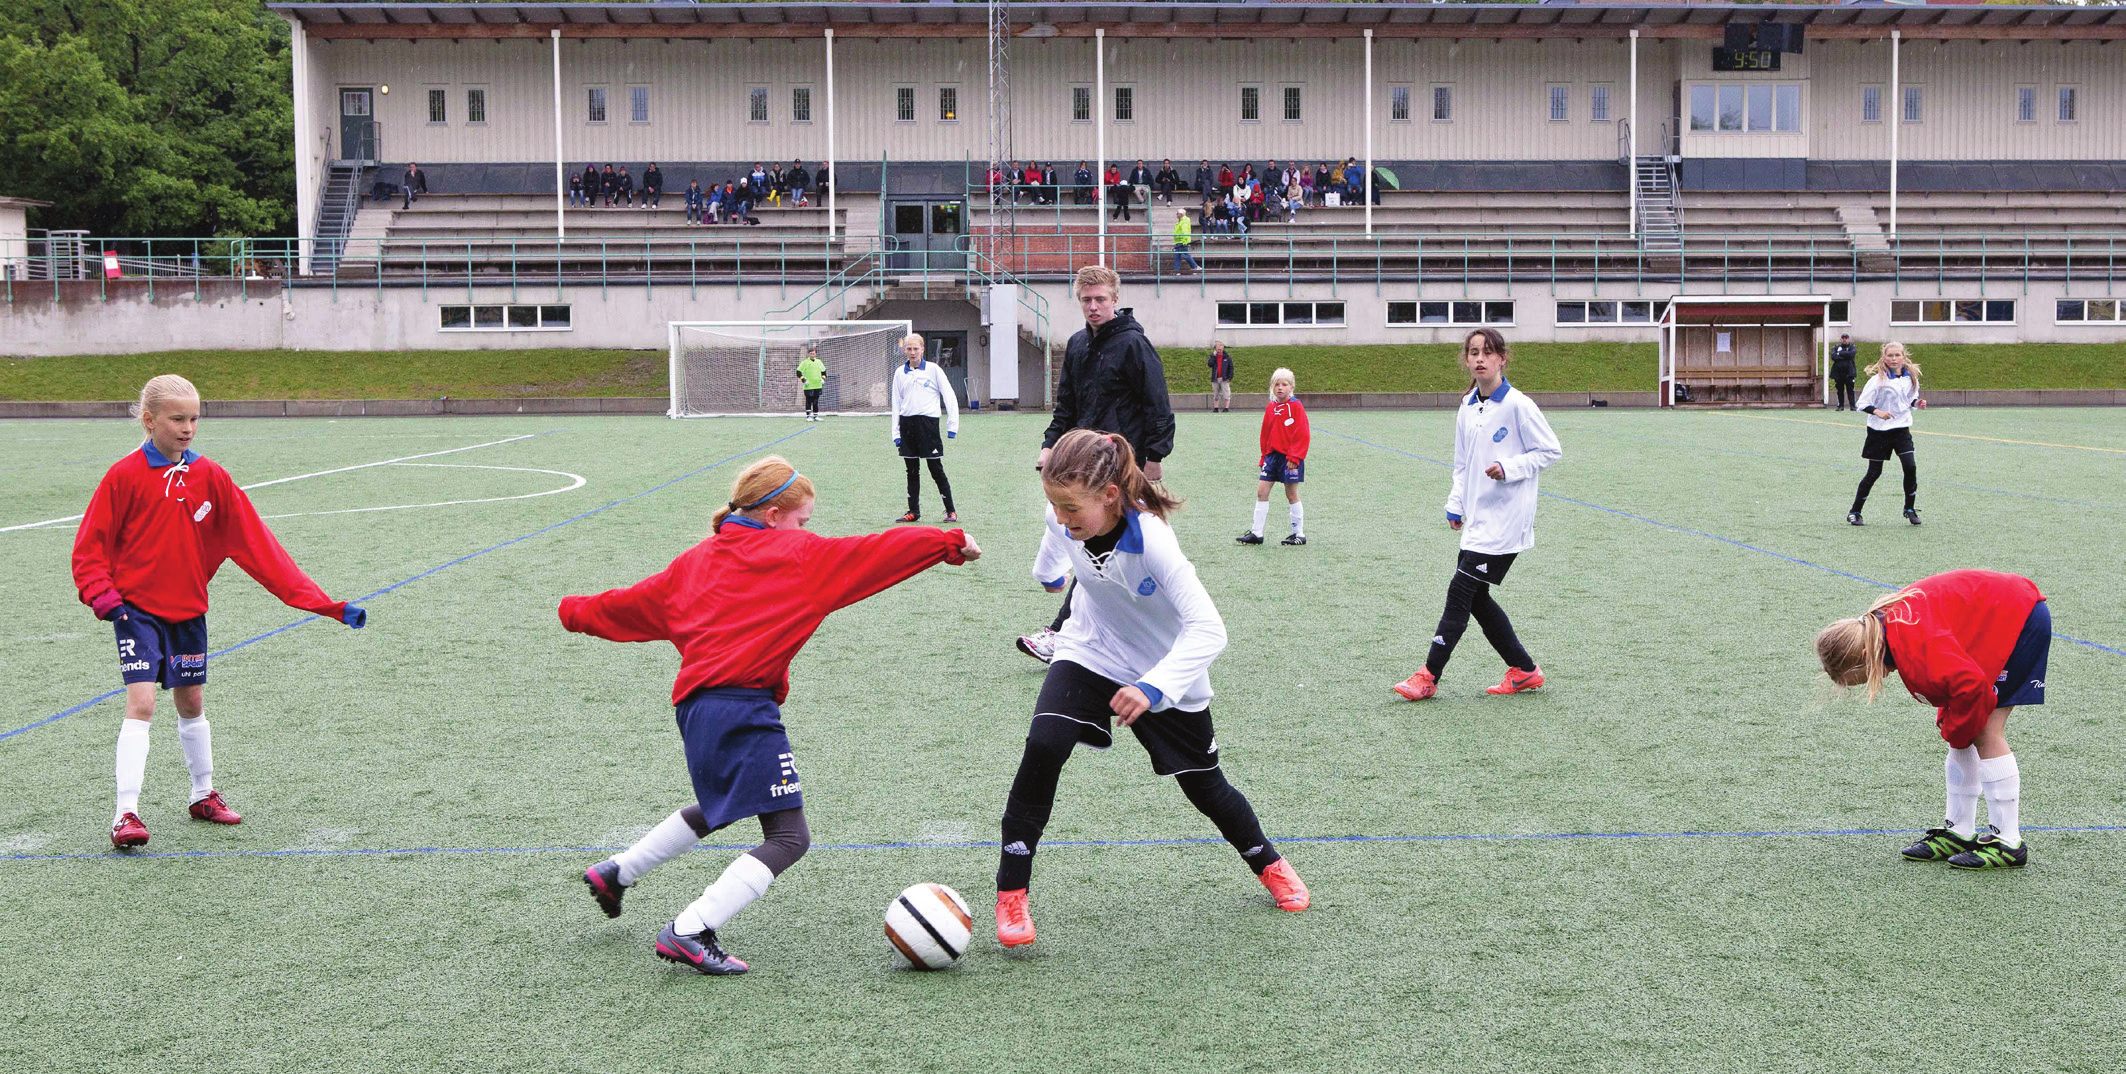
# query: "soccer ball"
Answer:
x=929 y=926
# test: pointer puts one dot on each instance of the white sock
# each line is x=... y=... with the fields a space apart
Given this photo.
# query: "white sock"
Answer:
x=2004 y=790
x=1262 y=516
x=671 y=837
x=1299 y=520
x=1962 y=771
x=742 y=881
x=198 y=742
x=132 y=766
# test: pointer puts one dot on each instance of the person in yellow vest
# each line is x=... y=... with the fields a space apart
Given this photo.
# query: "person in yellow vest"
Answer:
x=1184 y=235
x=812 y=373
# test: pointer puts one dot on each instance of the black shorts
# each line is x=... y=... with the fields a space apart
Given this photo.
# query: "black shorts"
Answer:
x=1882 y=442
x=1177 y=741
x=1485 y=567
x=166 y=653
x=920 y=438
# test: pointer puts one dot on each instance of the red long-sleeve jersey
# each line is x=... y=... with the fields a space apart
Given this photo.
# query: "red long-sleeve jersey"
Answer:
x=739 y=605
x=157 y=530
x=1951 y=639
x=1284 y=428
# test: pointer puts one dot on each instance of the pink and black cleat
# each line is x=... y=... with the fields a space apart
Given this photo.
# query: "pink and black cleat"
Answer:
x=698 y=951
x=604 y=881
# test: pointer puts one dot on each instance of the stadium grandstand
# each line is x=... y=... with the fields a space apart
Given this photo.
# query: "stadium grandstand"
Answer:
x=1943 y=173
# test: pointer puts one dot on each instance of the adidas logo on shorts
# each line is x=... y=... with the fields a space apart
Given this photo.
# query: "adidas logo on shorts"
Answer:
x=1484 y=567
x=1017 y=846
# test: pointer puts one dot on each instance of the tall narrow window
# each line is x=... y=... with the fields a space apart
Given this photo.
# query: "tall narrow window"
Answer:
x=595 y=105
x=1703 y=108
x=1598 y=104
x=2026 y=104
x=800 y=104
x=2068 y=97
x=756 y=104
x=1398 y=104
x=476 y=105
x=948 y=104
x=1250 y=104
x=1760 y=108
x=1443 y=104
x=1915 y=104
x=1731 y=107
x=438 y=106
x=904 y=104
x=1560 y=103
x=1786 y=110
x=1291 y=104
x=1871 y=104
x=1081 y=104
x=1125 y=104
x=638 y=104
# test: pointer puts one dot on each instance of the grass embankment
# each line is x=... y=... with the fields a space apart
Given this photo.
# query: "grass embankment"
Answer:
x=344 y=374
x=1428 y=367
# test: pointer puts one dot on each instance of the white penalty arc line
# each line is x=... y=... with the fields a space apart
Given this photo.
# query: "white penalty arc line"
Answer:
x=304 y=477
x=578 y=479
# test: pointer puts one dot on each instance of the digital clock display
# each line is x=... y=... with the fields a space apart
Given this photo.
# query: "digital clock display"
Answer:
x=1745 y=59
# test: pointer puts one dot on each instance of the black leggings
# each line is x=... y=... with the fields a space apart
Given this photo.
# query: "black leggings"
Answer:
x=1466 y=597
x=812 y=400
x=784 y=836
x=1033 y=797
x=1063 y=614
x=1860 y=497
x=937 y=476
x=1845 y=391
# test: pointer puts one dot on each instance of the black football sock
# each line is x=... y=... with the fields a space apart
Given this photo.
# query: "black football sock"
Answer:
x=1219 y=800
x=1033 y=797
x=937 y=475
x=915 y=483
x=1063 y=613
x=1498 y=630
x=1911 y=478
x=1461 y=597
x=1867 y=482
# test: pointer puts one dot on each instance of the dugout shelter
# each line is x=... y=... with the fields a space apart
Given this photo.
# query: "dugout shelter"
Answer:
x=1746 y=348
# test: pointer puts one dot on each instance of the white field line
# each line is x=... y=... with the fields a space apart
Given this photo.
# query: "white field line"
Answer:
x=579 y=480
x=303 y=477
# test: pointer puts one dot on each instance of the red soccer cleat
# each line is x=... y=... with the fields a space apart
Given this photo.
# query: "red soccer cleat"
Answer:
x=1014 y=923
x=129 y=832
x=1517 y=681
x=212 y=808
x=1286 y=886
x=909 y=517
x=1419 y=686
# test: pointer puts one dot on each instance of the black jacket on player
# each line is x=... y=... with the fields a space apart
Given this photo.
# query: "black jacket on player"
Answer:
x=1112 y=381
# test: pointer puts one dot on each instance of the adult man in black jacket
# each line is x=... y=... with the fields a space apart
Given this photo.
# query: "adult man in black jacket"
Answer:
x=1843 y=371
x=1168 y=180
x=1207 y=181
x=1082 y=187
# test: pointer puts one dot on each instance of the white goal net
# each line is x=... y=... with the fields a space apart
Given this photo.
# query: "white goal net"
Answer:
x=750 y=367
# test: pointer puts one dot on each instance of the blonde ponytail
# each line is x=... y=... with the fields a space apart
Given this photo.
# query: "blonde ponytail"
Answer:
x=1855 y=649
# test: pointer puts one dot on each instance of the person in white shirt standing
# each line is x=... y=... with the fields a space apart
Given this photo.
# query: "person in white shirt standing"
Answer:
x=1892 y=393
x=921 y=394
x=1137 y=652
x=1501 y=443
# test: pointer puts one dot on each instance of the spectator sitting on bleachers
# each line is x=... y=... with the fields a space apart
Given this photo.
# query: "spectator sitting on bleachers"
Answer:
x=799 y=183
x=1140 y=180
x=820 y=182
x=1236 y=215
x=1293 y=197
x=696 y=201
x=1225 y=178
x=1215 y=220
x=719 y=196
x=759 y=179
x=1052 y=183
x=1258 y=202
x=575 y=190
x=1306 y=187
x=627 y=187
x=415 y=183
x=778 y=186
x=1206 y=182
x=652 y=186
x=1168 y=181
x=608 y=185
x=999 y=186
x=1119 y=196
x=742 y=210
x=589 y=179
x=1081 y=185
x=1030 y=178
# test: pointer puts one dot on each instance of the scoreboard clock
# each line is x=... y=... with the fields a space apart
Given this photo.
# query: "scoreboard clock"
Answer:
x=1745 y=59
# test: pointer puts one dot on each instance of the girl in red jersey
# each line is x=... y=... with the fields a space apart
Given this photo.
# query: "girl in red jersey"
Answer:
x=160 y=524
x=738 y=607
x=1974 y=645
x=1285 y=437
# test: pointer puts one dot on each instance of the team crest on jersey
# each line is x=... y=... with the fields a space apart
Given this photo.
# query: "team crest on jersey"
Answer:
x=1147 y=587
x=1498 y=436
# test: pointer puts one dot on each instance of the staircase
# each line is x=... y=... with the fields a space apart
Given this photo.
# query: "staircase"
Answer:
x=1660 y=220
x=1864 y=231
x=335 y=216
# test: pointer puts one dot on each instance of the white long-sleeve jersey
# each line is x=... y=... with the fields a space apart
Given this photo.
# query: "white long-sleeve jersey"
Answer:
x=1141 y=616
x=1892 y=398
x=1507 y=428
x=925 y=392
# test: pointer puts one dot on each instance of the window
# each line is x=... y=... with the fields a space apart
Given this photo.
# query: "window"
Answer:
x=1605 y=311
x=1560 y=103
x=596 y=113
x=1443 y=104
x=800 y=104
x=1871 y=104
x=2026 y=104
x=1398 y=104
x=1125 y=104
x=438 y=107
x=1250 y=104
x=2067 y=103
x=1953 y=311
x=476 y=105
x=948 y=104
x=1280 y=314
x=1428 y=314
x=1731 y=107
x=904 y=104
x=638 y=104
x=1081 y=104
x=1702 y=107
x=756 y=104
x=1756 y=107
x=1598 y=104
x=2089 y=311
x=1786 y=108
x=505 y=318
x=1841 y=313
x=1760 y=107
x=1915 y=104
x=1291 y=104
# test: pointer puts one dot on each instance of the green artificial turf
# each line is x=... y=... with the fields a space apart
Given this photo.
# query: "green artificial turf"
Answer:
x=234 y=374
x=1669 y=859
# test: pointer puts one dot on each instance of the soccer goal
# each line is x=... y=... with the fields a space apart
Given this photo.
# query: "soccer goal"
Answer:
x=750 y=367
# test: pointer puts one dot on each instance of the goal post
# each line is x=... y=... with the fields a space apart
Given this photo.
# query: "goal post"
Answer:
x=720 y=368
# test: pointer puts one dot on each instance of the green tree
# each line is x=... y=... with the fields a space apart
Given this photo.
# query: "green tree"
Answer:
x=148 y=117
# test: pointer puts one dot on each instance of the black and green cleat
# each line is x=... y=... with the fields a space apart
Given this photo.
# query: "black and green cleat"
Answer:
x=1991 y=853
x=1938 y=844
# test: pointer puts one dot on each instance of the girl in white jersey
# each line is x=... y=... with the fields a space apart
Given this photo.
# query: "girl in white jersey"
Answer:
x=920 y=395
x=1136 y=651
x=1891 y=395
x=1500 y=443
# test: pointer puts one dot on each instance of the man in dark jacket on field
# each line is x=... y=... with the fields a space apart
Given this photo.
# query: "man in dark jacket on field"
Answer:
x=1112 y=381
x=1842 y=370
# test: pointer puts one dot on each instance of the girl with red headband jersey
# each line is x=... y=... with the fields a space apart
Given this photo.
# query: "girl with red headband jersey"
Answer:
x=161 y=522
x=738 y=607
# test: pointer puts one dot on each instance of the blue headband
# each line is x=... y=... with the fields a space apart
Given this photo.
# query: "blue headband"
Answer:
x=779 y=490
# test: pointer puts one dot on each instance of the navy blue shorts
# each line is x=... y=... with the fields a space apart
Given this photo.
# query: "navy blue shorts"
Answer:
x=737 y=753
x=167 y=654
x=2022 y=681
x=1279 y=470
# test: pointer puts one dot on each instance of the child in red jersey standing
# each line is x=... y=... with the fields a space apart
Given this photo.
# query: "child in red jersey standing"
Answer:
x=1974 y=644
x=1285 y=437
x=162 y=521
x=738 y=607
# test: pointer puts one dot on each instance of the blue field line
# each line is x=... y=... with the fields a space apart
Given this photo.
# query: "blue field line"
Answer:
x=1466 y=837
x=2099 y=646
x=103 y=697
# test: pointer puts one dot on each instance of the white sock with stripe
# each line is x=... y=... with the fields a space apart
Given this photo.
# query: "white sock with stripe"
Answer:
x=672 y=836
x=132 y=766
x=1962 y=771
x=742 y=881
x=2004 y=792
x=198 y=742
x=1262 y=517
x=1299 y=520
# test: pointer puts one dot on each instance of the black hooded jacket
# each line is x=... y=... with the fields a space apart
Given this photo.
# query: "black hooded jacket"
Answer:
x=1113 y=382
